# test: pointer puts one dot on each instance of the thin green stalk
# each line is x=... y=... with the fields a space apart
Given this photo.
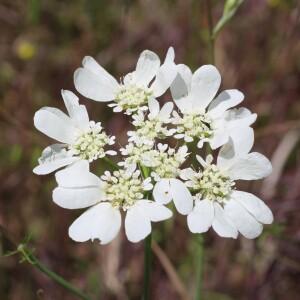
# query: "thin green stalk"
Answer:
x=210 y=31
x=147 y=267
x=111 y=163
x=199 y=267
x=28 y=256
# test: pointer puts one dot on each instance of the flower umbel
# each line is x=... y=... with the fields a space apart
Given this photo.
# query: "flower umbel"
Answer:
x=193 y=125
x=132 y=97
x=124 y=188
x=212 y=183
x=90 y=144
x=150 y=175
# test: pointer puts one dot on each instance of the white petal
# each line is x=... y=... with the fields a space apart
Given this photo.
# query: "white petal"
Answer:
x=74 y=198
x=182 y=82
x=255 y=206
x=95 y=86
x=224 y=101
x=146 y=68
x=155 y=211
x=99 y=222
x=219 y=138
x=153 y=107
x=77 y=175
x=165 y=74
x=245 y=223
x=53 y=157
x=205 y=84
x=240 y=144
x=165 y=111
x=77 y=113
x=49 y=167
x=187 y=174
x=55 y=124
x=200 y=219
x=161 y=192
x=181 y=196
x=239 y=117
x=92 y=65
x=137 y=224
x=222 y=225
x=252 y=166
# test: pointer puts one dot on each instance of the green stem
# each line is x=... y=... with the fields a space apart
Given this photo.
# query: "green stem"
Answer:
x=199 y=266
x=30 y=258
x=147 y=267
x=111 y=163
x=211 y=33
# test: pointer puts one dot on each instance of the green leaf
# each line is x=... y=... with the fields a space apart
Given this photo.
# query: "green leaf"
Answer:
x=230 y=8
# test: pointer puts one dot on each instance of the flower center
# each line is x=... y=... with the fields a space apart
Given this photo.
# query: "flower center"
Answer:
x=90 y=144
x=195 y=125
x=134 y=153
x=212 y=184
x=130 y=97
x=123 y=189
x=164 y=164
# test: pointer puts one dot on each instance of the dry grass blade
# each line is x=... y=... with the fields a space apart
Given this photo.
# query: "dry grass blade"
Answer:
x=171 y=272
x=279 y=160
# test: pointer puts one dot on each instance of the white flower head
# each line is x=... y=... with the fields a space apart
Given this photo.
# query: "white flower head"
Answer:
x=149 y=80
x=217 y=202
x=80 y=138
x=146 y=131
x=204 y=118
x=165 y=163
x=122 y=190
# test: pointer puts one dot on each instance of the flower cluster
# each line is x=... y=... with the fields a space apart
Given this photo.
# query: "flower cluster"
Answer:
x=151 y=172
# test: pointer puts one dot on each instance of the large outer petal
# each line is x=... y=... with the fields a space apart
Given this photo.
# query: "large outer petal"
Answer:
x=181 y=196
x=201 y=217
x=101 y=222
x=255 y=206
x=53 y=157
x=155 y=211
x=222 y=225
x=146 y=67
x=245 y=223
x=165 y=74
x=162 y=191
x=77 y=113
x=77 y=175
x=252 y=166
x=75 y=198
x=55 y=124
x=224 y=101
x=205 y=84
x=93 y=82
x=239 y=145
x=137 y=224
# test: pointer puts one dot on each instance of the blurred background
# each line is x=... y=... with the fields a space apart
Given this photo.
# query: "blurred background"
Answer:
x=258 y=52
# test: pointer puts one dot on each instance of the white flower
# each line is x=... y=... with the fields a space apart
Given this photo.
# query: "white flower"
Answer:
x=136 y=88
x=165 y=165
x=203 y=117
x=80 y=138
x=134 y=154
x=153 y=127
x=217 y=203
x=123 y=190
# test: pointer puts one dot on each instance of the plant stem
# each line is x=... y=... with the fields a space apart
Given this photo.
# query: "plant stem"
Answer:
x=210 y=30
x=147 y=267
x=199 y=266
x=28 y=256
x=111 y=163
